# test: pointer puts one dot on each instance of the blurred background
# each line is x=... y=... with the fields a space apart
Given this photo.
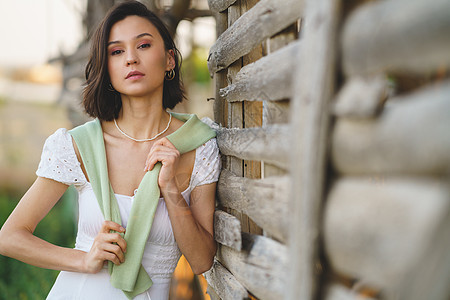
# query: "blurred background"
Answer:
x=44 y=47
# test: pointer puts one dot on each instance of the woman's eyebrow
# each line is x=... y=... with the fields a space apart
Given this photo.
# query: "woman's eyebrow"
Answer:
x=137 y=37
x=142 y=35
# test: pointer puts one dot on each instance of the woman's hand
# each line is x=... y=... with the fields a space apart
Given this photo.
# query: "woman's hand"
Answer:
x=106 y=246
x=165 y=152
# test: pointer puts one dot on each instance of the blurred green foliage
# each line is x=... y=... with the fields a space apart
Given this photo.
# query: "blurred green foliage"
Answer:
x=195 y=67
x=22 y=281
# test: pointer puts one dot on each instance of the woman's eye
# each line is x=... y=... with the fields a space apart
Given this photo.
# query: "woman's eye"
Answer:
x=146 y=45
x=115 y=52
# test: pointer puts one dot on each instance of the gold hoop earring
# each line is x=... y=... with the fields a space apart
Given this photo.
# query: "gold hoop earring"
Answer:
x=169 y=75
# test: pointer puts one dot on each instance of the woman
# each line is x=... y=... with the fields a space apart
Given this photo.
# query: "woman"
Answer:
x=132 y=78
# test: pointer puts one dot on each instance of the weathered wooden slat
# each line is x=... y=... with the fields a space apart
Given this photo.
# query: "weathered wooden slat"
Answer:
x=313 y=91
x=397 y=36
x=377 y=230
x=264 y=252
x=261 y=268
x=225 y=285
x=227 y=230
x=336 y=291
x=429 y=280
x=361 y=97
x=219 y=5
x=269 y=78
x=411 y=136
x=212 y=293
x=270 y=144
x=263 y=200
x=265 y=19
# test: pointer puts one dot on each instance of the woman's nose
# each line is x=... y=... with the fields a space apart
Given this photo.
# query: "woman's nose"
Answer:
x=131 y=61
x=132 y=58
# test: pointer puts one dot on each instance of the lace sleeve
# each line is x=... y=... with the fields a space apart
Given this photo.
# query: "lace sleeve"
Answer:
x=59 y=161
x=207 y=164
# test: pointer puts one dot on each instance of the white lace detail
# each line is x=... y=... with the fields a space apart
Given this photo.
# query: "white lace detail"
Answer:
x=59 y=161
x=207 y=164
x=161 y=260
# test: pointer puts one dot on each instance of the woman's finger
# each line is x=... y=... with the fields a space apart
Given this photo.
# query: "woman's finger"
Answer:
x=151 y=158
x=150 y=163
x=113 y=248
x=161 y=148
x=161 y=156
x=116 y=238
x=107 y=226
x=164 y=159
x=111 y=257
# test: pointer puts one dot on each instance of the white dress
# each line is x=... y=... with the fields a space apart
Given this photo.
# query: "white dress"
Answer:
x=59 y=162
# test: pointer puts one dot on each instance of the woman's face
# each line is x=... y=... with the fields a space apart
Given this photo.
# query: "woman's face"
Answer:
x=137 y=59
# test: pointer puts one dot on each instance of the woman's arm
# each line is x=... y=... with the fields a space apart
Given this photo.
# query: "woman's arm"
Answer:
x=192 y=225
x=16 y=236
x=17 y=239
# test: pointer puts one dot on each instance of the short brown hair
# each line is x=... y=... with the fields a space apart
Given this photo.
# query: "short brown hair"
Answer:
x=99 y=99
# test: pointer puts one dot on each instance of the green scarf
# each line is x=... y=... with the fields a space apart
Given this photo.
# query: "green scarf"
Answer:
x=131 y=276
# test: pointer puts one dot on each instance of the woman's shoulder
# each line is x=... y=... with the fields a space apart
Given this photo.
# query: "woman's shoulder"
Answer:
x=207 y=164
x=60 y=141
x=59 y=160
x=175 y=124
x=59 y=136
x=209 y=147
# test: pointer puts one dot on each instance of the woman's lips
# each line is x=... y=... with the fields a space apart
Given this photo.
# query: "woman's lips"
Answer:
x=134 y=75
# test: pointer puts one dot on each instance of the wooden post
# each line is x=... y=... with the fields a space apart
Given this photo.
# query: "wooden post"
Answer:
x=313 y=90
x=234 y=111
x=252 y=118
x=220 y=104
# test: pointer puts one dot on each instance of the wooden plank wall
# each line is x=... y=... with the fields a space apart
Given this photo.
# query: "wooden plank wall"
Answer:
x=333 y=119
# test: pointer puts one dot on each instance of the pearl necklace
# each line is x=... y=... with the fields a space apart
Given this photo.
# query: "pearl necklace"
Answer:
x=144 y=140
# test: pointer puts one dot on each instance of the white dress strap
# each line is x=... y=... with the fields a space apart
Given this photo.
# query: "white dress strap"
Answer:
x=59 y=161
x=207 y=164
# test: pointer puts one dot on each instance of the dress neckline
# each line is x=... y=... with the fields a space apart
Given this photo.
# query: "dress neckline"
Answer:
x=107 y=171
x=131 y=197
